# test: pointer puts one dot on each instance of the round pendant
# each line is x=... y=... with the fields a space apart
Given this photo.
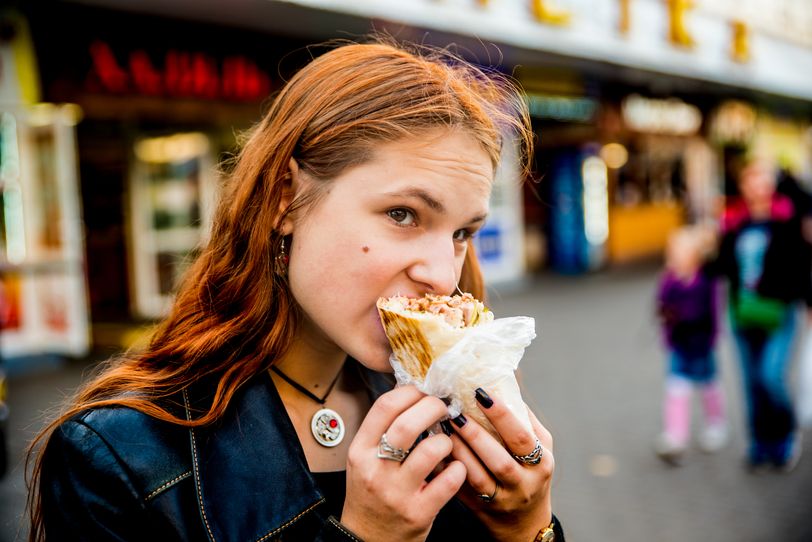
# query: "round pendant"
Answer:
x=327 y=427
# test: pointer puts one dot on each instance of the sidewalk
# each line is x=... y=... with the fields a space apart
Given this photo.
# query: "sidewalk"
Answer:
x=594 y=374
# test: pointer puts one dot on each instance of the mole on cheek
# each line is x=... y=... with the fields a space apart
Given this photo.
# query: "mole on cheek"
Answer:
x=365 y=248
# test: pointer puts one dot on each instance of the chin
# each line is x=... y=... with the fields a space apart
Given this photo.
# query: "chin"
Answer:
x=375 y=359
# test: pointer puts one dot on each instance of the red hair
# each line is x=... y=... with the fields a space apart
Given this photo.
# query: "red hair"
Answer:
x=233 y=316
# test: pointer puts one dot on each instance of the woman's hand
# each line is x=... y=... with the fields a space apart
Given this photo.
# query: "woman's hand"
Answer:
x=510 y=497
x=389 y=499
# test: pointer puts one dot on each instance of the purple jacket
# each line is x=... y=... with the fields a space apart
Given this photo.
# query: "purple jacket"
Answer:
x=688 y=312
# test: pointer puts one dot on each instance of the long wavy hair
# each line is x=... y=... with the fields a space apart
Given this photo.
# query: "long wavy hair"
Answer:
x=233 y=315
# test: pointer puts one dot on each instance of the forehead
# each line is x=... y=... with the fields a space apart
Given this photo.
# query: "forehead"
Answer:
x=451 y=165
x=442 y=158
x=759 y=169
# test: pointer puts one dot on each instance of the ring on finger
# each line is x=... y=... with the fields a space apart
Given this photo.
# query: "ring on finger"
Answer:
x=533 y=458
x=387 y=451
x=489 y=498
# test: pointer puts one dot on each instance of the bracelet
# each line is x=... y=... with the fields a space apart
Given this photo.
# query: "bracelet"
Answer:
x=547 y=534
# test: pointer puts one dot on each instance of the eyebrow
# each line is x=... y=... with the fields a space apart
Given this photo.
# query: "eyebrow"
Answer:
x=420 y=194
x=430 y=201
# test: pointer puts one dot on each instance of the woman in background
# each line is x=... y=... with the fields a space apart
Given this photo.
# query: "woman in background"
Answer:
x=766 y=262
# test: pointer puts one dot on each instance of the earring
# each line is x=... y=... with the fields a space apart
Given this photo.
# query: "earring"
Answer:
x=281 y=260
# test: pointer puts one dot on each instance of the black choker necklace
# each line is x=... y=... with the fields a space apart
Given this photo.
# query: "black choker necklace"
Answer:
x=326 y=425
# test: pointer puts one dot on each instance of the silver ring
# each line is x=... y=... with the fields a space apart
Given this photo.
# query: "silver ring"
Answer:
x=387 y=451
x=489 y=498
x=533 y=458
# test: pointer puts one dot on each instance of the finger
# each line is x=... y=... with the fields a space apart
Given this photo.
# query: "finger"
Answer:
x=445 y=485
x=478 y=477
x=547 y=459
x=542 y=433
x=384 y=411
x=425 y=457
x=490 y=451
x=411 y=423
x=518 y=438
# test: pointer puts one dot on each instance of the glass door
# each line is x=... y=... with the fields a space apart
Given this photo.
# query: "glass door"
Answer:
x=43 y=292
x=172 y=192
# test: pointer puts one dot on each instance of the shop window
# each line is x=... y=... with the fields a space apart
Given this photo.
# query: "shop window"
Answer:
x=171 y=194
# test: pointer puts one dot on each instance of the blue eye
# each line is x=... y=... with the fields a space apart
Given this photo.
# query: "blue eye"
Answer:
x=403 y=217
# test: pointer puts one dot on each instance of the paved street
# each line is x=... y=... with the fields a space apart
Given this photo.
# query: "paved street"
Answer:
x=595 y=375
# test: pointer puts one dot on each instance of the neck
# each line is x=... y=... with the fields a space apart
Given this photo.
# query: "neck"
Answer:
x=312 y=360
x=684 y=274
x=760 y=210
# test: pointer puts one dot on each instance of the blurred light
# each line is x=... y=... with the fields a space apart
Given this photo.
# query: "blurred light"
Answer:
x=41 y=114
x=174 y=148
x=9 y=151
x=603 y=465
x=72 y=114
x=563 y=108
x=13 y=214
x=596 y=200
x=615 y=155
x=671 y=116
x=12 y=199
x=733 y=121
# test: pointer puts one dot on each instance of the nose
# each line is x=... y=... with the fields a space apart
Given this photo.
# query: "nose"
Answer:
x=436 y=267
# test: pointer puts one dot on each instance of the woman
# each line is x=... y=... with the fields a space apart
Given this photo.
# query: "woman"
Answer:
x=766 y=261
x=260 y=409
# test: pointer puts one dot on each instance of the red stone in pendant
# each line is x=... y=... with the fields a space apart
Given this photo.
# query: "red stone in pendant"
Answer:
x=333 y=423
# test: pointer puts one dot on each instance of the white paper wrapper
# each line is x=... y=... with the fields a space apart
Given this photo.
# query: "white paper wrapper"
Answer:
x=486 y=357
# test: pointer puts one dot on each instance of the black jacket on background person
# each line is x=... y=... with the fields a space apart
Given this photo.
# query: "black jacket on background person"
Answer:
x=115 y=474
x=786 y=274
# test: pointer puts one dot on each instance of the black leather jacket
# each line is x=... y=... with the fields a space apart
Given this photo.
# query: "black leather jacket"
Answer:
x=118 y=474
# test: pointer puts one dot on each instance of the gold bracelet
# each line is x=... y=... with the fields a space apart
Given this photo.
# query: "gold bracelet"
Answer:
x=546 y=534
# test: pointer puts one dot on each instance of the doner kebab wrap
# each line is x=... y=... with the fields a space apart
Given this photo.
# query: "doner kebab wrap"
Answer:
x=450 y=345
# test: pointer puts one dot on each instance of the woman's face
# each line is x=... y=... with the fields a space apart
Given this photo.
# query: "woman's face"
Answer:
x=398 y=224
x=757 y=184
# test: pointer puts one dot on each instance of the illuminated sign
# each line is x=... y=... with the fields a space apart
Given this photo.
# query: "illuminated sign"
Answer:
x=702 y=39
x=180 y=74
x=671 y=116
x=564 y=108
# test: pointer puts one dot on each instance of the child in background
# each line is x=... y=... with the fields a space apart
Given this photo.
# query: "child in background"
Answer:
x=686 y=304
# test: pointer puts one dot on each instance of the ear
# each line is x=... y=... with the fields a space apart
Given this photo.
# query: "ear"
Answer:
x=290 y=185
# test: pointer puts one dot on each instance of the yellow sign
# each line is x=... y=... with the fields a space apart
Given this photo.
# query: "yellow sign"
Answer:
x=625 y=19
x=677 y=29
x=740 y=51
x=549 y=14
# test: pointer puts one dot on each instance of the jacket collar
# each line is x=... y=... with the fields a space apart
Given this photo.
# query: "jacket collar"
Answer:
x=250 y=471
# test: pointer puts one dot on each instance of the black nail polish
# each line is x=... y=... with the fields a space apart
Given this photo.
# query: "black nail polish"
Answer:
x=460 y=420
x=445 y=425
x=483 y=398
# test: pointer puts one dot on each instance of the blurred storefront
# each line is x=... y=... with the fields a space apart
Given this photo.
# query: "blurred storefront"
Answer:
x=43 y=300
x=641 y=109
x=158 y=103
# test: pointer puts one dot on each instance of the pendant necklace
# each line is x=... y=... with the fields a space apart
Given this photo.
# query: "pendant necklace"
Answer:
x=326 y=425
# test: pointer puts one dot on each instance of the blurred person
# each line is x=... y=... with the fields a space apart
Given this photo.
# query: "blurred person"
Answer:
x=766 y=261
x=366 y=178
x=789 y=185
x=687 y=307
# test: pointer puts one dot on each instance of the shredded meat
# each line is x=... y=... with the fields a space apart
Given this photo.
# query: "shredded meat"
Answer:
x=458 y=310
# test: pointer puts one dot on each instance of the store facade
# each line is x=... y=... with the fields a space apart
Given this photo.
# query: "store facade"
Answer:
x=628 y=98
x=155 y=114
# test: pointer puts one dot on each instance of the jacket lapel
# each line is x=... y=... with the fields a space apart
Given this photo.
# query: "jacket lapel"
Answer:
x=250 y=471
